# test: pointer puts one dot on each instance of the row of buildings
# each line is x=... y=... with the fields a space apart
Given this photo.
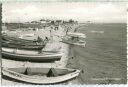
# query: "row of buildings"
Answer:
x=36 y=24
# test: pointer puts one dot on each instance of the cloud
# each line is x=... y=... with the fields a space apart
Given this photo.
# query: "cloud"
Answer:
x=97 y=12
x=101 y=12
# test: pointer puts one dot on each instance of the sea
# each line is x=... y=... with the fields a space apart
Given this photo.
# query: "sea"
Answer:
x=103 y=60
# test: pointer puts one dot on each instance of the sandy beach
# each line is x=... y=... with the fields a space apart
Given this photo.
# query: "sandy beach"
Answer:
x=53 y=45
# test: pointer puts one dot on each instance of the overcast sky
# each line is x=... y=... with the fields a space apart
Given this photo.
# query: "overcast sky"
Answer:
x=96 y=12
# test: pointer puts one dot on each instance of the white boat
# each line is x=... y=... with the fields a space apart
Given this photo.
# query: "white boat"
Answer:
x=26 y=35
x=78 y=35
x=74 y=39
x=39 y=57
x=40 y=75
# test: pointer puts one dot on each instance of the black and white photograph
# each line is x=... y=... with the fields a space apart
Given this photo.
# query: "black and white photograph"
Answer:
x=67 y=43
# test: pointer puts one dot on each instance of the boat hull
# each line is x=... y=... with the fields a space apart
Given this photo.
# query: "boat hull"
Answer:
x=8 y=38
x=37 y=58
x=19 y=46
x=63 y=74
x=19 y=43
x=82 y=44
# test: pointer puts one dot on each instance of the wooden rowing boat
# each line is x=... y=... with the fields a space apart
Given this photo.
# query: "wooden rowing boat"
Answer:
x=40 y=57
x=77 y=39
x=74 y=41
x=40 y=75
x=82 y=43
x=75 y=34
x=22 y=46
x=14 y=40
x=9 y=38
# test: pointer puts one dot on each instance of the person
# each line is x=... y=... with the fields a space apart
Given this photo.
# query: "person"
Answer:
x=39 y=39
x=67 y=31
x=46 y=38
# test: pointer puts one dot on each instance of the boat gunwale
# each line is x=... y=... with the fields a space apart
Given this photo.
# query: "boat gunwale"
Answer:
x=29 y=55
x=52 y=79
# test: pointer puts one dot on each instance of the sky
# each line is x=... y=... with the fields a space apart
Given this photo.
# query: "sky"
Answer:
x=80 y=11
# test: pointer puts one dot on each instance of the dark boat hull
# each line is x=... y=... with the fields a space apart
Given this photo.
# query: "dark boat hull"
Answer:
x=8 y=38
x=19 y=41
x=19 y=46
x=36 y=58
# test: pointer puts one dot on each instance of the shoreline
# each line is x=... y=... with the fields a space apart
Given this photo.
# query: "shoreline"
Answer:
x=55 y=45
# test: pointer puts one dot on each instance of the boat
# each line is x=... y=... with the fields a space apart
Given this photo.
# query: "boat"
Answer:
x=40 y=75
x=77 y=39
x=23 y=45
x=12 y=42
x=21 y=41
x=10 y=38
x=36 y=57
x=77 y=35
x=75 y=43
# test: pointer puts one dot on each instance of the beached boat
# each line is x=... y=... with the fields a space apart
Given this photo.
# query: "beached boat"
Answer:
x=74 y=39
x=16 y=40
x=77 y=35
x=40 y=75
x=23 y=45
x=9 y=38
x=40 y=57
x=13 y=42
x=71 y=42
